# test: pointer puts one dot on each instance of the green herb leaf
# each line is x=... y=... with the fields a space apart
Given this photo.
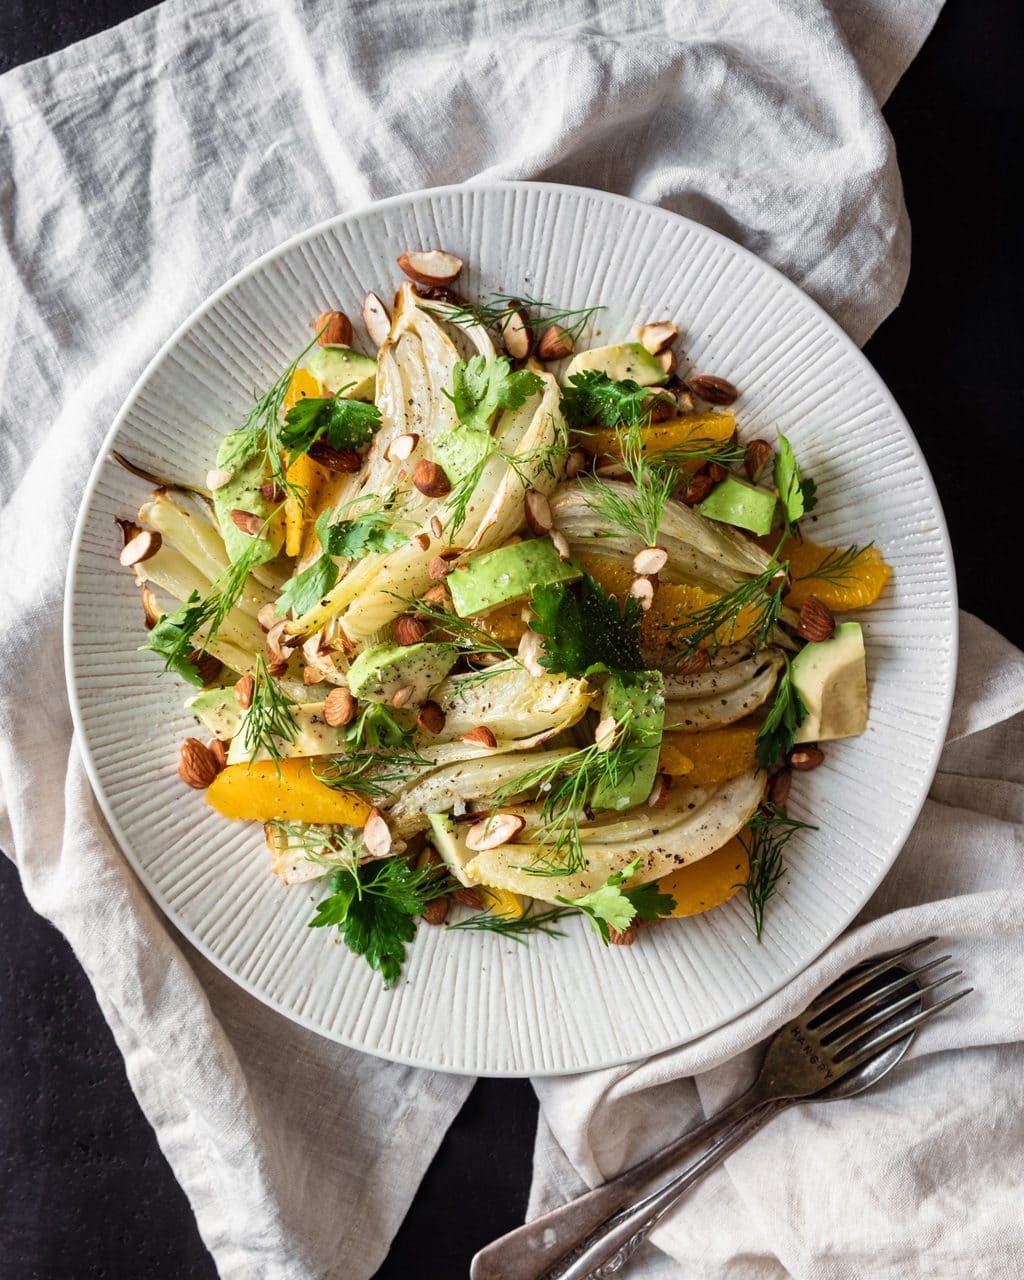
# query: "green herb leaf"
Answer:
x=376 y=729
x=171 y=638
x=480 y=387
x=715 y=624
x=343 y=424
x=584 y=631
x=650 y=902
x=766 y=836
x=496 y=311
x=533 y=920
x=617 y=908
x=373 y=531
x=786 y=714
x=308 y=588
x=794 y=493
x=268 y=720
x=594 y=399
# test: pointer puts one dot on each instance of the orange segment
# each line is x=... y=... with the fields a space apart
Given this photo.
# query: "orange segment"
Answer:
x=504 y=624
x=308 y=477
x=673 y=603
x=714 y=756
x=289 y=792
x=853 y=586
x=709 y=882
x=302 y=384
x=695 y=429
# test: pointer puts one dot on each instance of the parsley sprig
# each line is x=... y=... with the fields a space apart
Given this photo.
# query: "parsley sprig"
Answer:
x=584 y=629
x=480 y=387
x=593 y=399
x=796 y=496
x=786 y=714
x=612 y=907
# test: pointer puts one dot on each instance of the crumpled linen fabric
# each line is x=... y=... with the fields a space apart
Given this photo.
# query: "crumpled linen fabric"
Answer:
x=138 y=171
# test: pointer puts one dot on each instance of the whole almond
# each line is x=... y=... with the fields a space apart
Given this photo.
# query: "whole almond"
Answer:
x=376 y=319
x=278 y=667
x=218 y=478
x=272 y=492
x=756 y=457
x=805 y=757
x=779 y=787
x=377 y=835
x=339 y=707
x=196 y=765
x=207 y=664
x=402 y=697
x=625 y=938
x=469 y=898
x=244 y=689
x=516 y=336
x=430 y=479
x=496 y=830
x=219 y=752
x=537 y=511
x=438 y=567
x=430 y=266
x=642 y=589
x=144 y=544
x=247 y=522
x=129 y=529
x=345 y=461
x=668 y=362
x=697 y=490
x=716 y=471
x=712 y=389
x=435 y=912
x=661 y=407
x=333 y=329
x=657 y=335
x=816 y=622
x=482 y=735
x=555 y=343
x=430 y=717
x=402 y=447
x=408 y=629
x=650 y=561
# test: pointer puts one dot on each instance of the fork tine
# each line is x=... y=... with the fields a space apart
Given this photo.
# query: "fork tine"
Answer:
x=848 y=1034
x=823 y=1024
x=832 y=995
x=890 y=1037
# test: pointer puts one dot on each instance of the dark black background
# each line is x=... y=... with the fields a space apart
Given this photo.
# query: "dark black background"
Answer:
x=84 y=1190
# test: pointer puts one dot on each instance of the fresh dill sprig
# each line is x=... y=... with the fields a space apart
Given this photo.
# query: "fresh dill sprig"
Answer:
x=471 y=640
x=533 y=920
x=368 y=773
x=837 y=565
x=715 y=624
x=329 y=847
x=499 y=307
x=699 y=449
x=268 y=720
x=640 y=510
x=767 y=834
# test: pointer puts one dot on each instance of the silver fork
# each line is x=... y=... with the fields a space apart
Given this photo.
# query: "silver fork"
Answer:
x=847 y=1037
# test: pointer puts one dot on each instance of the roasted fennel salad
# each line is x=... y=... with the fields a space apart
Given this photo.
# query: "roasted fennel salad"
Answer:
x=493 y=627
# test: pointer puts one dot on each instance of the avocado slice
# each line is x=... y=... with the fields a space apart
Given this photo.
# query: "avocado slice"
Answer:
x=736 y=502
x=219 y=711
x=831 y=678
x=640 y=696
x=379 y=672
x=508 y=573
x=337 y=367
x=242 y=493
x=621 y=361
x=451 y=845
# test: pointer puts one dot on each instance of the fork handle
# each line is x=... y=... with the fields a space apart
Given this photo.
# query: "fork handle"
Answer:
x=607 y=1250
x=530 y=1251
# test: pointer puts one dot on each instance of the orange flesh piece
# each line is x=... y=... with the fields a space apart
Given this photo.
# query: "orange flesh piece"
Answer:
x=303 y=472
x=709 y=758
x=860 y=585
x=709 y=882
x=697 y=429
x=258 y=792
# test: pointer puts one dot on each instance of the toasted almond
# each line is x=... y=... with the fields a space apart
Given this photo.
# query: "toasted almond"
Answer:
x=339 y=707
x=402 y=447
x=779 y=787
x=537 y=510
x=129 y=529
x=438 y=567
x=208 y=665
x=698 y=489
x=377 y=835
x=561 y=544
x=716 y=471
x=422 y=540
x=272 y=492
x=805 y=757
x=657 y=335
x=278 y=667
x=279 y=643
x=482 y=735
x=247 y=522
x=333 y=329
x=345 y=461
x=196 y=765
x=468 y=898
x=650 y=561
x=555 y=343
x=625 y=938
x=408 y=629
x=402 y=697
x=151 y=611
x=436 y=527
x=436 y=594
x=712 y=389
x=430 y=266
x=576 y=462
x=684 y=401
x=431 y=717
x=531 y=646
x=661 y=406
x=658 y=798
x=435 y=912
x=516 y=336
x=311 y=674
x=376 y=319
x=430 y=479
x=605 y=733
x=219 y=751
x=146 y=543
x=218 y=478
x=496 y=830
x=244 y=689
x=642 y=589
x=267 y=616
x=756 y=457
x=816 y=622
x=668 y=363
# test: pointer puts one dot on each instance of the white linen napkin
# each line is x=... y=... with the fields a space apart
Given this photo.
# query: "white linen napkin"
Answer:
x=140 y=169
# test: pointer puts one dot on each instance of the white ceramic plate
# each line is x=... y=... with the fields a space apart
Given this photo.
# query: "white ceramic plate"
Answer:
x=470 y=1002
